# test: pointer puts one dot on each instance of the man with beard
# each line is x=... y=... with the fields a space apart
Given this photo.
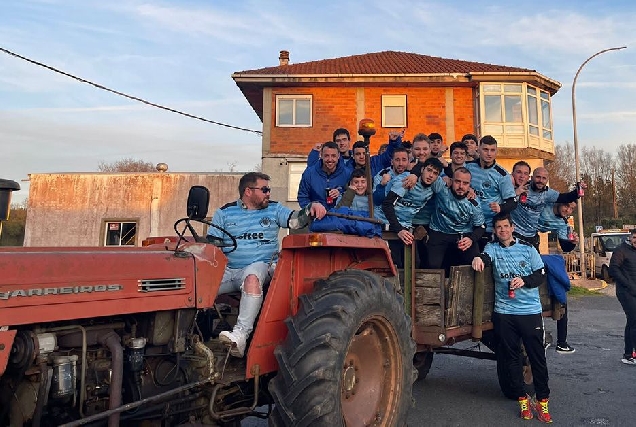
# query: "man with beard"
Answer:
x=456 y=225
x=325 y=181
x=532 y=198
x=384 y=180
x=255 y=221
x=400 y=205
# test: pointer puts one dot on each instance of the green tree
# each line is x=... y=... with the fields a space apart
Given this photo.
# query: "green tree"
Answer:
x=127 y=165
x=13 y=229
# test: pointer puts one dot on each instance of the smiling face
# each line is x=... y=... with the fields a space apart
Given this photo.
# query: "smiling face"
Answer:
x=521 y=175
x=540 y=178
x=359 y=185
x=566 y=209
x=421 y=150
x=503 y=230
x=458 y=156
x=359 y=156
x=343 y=142
x=400 y=161
x=329 y=158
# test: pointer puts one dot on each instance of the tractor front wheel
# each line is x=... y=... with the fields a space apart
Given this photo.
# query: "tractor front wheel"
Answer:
x=348 y=356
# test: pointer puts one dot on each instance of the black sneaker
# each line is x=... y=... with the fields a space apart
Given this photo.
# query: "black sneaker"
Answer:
x=564 y=348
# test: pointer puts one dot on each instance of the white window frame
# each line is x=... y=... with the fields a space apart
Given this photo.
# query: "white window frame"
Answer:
x=393 y=101
x=295 y=98
x=121 y=222
x=540 y=126
x=295 y=173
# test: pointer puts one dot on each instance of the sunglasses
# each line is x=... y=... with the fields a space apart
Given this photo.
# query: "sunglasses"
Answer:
x=264 y=189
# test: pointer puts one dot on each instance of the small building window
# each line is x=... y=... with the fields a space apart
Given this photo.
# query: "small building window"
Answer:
x=120 y=233
x=393 y=111
x=293 y=110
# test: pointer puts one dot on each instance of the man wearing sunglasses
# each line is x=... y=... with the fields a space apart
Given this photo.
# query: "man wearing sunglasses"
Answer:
x=254 y=220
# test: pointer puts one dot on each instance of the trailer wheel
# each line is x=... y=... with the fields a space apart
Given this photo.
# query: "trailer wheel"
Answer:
x=348 y=356
x=422 y=362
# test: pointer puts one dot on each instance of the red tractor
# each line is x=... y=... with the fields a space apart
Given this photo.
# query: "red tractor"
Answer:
x=129 y=336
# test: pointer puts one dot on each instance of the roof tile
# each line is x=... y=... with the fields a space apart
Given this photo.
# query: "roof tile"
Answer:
x=387 y=62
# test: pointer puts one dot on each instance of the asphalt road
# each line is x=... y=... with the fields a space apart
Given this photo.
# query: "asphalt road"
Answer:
x=588 y=387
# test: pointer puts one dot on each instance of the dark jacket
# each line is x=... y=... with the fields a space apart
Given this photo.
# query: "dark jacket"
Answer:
x=623 y=268
x=558 y=279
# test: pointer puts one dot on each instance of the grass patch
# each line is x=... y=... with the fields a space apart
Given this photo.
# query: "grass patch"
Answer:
x=581 y=291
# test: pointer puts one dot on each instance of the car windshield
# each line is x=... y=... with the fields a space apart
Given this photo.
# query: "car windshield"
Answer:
x=609 y=243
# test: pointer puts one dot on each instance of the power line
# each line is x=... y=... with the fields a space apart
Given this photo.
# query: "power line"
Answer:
x=134 y=98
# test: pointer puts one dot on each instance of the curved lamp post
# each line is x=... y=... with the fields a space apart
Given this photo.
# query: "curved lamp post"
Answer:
x=576 y=159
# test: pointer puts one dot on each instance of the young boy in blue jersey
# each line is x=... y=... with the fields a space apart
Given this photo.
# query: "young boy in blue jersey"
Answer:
x=492 y=185
x=254 y=221
x=401 y=205
x=532 y=197
x=518 y=271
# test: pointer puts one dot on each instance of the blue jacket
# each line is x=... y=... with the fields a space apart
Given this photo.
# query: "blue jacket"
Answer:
x=558 y=279
x=315 y=181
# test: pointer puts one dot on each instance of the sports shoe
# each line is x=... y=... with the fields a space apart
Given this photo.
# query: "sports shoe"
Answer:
x=564 y=348
x=541 y=408
x=235 y=340
x=524 y=406
x=629 y=360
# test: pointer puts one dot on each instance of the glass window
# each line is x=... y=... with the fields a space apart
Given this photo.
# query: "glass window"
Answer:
x=120 y=233
x=293 y=110
x=492 y=88
x=533 y=114
x=492 y=103
x=513 y=108
x=516 y=88
x=545 y=114
x=393 y=111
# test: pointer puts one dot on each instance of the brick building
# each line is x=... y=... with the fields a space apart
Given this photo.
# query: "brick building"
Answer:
x=301 y=104
x=115 y=209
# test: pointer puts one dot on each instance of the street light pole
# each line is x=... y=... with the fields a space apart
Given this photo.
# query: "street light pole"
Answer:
x=577 y=162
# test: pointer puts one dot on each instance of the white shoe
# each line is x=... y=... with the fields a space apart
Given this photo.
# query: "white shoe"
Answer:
x=235 y=340
x=628 y=360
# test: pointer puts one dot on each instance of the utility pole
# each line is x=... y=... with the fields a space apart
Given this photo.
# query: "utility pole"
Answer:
x=614 y=195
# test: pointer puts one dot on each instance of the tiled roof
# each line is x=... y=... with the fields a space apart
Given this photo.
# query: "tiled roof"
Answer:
x=388 y=62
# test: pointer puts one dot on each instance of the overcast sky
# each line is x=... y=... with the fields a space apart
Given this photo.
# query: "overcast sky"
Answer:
x=182 y=53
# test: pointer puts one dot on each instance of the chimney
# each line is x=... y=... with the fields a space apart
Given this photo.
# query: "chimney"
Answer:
x=284 y=57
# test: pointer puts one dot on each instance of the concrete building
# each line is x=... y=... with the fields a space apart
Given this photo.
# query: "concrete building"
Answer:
x=302 y=104
x=113 y=209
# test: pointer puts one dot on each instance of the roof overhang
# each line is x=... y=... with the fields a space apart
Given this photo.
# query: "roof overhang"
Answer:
x=252 y=85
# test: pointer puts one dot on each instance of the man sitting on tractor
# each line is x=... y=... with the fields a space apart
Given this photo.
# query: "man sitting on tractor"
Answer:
x=255 y=221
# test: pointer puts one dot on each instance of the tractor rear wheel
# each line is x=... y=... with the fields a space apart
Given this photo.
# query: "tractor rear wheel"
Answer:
x=348 y=356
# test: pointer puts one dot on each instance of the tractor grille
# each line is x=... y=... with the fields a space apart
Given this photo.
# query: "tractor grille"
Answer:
x=161 y=285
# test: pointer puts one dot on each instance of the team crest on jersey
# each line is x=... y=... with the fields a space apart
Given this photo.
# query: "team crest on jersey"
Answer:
x=522 y=264
x=265 y=222
x=486 y=184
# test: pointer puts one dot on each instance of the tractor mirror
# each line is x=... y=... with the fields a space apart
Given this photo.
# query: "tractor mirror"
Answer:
x=198 y=200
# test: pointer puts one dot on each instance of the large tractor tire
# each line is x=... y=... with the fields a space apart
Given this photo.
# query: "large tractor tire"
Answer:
x=348 y=356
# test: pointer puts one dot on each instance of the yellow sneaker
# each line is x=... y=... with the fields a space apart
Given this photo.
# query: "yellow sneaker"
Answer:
x=541 y=408
x=524 y=406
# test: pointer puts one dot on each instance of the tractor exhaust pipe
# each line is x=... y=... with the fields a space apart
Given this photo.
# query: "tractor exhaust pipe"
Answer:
x=111 y=341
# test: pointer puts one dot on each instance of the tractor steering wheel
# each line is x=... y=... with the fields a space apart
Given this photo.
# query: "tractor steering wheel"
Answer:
x=216 y=241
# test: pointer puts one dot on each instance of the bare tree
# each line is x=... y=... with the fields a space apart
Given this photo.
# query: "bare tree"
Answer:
x=561 y=169
x=625 y=179
x=127 y=165
x=596 y=169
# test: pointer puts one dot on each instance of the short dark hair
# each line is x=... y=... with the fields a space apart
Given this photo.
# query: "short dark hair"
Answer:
x=522 y=163
x=406 y=144
x=462 y=169
x=434 y=162
x=632 y=231
x=400 y=150
x=488 y=140
x=340 y=131
x=435 y=135
x=501 y=216
x=329 y=144
x=458 y=144
x=358 y=144
x=358 y=173
x=469 y=136
x=249 y=180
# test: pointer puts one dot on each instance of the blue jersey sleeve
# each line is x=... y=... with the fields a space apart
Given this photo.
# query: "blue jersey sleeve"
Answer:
x=506 y=189
x=478 y=215
x=551 y=196
x=283 y=213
